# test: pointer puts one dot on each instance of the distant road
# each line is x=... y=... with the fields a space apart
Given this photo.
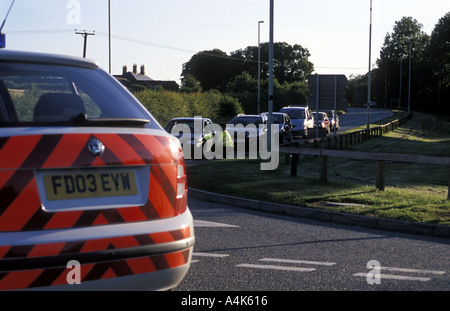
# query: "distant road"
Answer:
x=356 y=117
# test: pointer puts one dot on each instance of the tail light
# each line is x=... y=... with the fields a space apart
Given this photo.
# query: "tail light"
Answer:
x=181 y=188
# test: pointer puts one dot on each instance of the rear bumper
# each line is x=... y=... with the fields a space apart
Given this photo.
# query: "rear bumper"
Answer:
x=153 y=281
x=298 y=132
x=151 y=255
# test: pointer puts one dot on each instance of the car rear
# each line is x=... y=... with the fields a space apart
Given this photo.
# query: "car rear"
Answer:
x=298 y=119
x=247 y=131
x=92 y=189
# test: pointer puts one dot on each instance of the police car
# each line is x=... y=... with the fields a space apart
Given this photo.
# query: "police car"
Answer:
x=92 y=189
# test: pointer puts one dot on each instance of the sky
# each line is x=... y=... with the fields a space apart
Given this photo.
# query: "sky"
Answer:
x=163 y=35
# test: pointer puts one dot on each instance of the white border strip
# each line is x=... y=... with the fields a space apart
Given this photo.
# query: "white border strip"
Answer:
x=396 y=277
x=272 y=267
x=200 y=254
x=320 y=263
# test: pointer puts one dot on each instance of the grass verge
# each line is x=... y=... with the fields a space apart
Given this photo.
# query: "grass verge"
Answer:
x=414 y=192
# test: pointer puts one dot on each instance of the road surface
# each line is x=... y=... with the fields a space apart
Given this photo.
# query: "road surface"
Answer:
x=242 y=250
x=356 y=117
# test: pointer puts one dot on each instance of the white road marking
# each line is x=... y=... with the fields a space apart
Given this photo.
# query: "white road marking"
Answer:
x=396 y=277
x=412 y=270
x=203 y=223
x=273 y=267
x=402 y=277
x=201 y=254
x=288 y=261
x=320 y=263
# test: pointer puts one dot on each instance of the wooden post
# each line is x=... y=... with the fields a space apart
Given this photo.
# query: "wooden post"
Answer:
x=287 y=158
x=448 y=192
x=294 y=162
x=323 y=168
x=380 y=175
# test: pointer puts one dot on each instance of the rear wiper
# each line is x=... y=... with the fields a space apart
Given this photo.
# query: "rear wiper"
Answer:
x=82 y=120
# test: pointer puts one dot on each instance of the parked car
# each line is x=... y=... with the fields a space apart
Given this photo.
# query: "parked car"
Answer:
x=199 y=138
x=371 y=104
x=334 y=119
x=301 y=118
x=285 y=125
x=92 y=189
x=247 y=130
x=321 y=120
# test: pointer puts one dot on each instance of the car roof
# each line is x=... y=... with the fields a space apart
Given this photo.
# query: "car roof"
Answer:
x=188 y=118
x=44 y=58
x=266 y=113
x=294 y=107
x=248 y=116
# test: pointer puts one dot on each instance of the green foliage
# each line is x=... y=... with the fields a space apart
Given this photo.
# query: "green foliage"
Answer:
x=213 y=69
x=190 y=84
x=285 y=94
x=216 y=70
x=291 y=62
x=430 y=67
x=165 y=105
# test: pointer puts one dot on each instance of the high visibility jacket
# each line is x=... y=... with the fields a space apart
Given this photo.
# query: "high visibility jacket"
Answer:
x=227 y=141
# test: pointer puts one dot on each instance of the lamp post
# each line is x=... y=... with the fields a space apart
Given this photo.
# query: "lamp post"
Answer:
x=409 y=79
x=369 y=82
x=259 y=68
x=400 y=89
x=109 y=32
x=270 y=116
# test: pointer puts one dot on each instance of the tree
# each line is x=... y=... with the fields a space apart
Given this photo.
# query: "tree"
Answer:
x=215 y=69
x=438 y=63
x=190 y=84
x=243 y=83
x=291 y=62
x=357 y=89
x=394 y=55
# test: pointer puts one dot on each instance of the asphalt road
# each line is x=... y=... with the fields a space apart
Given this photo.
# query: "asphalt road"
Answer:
x=355 y=117
x=242 y=250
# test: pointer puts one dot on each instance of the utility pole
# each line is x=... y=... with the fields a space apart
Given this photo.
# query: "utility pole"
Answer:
x=2 y=35
x=409 y=79
x=370 y=70
x=270 y=116
x=85 y=35
x=109 y=33
x=400 y=89
x=259 y=68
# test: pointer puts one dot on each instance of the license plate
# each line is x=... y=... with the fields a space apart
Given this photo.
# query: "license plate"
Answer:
x=90 y=184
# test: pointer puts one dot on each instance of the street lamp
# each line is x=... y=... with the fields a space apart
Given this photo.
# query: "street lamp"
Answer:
x=400 y=89
x=259 y=68
x=270 y=92
x=409 y=79
x=369 y=82
x=109 y=32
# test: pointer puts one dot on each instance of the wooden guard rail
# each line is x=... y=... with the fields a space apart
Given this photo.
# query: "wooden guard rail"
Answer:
x=345 y=140
x=381 y=158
